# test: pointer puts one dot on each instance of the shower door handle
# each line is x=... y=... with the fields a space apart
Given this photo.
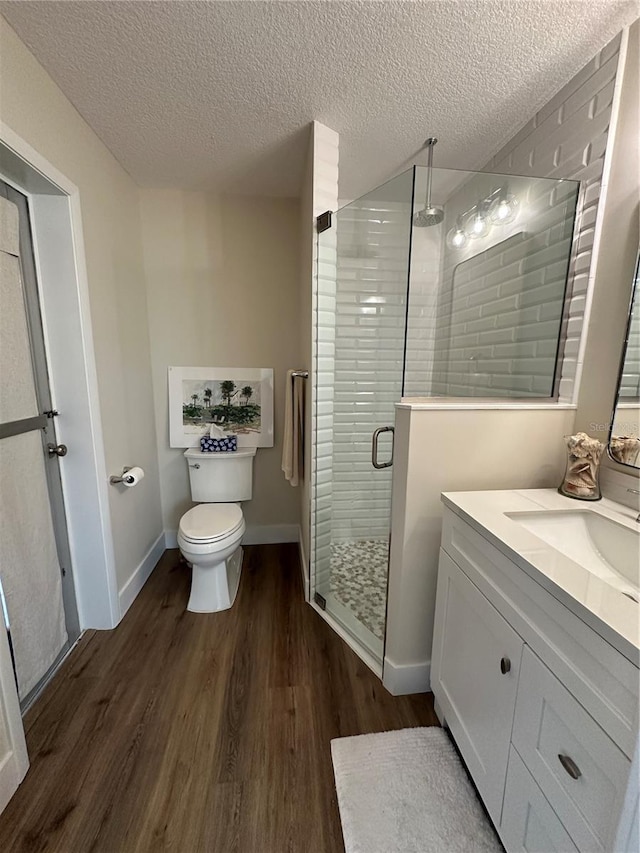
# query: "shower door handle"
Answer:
x=374 y=448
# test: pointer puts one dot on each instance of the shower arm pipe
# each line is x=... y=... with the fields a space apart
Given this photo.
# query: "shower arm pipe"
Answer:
x=430 y=144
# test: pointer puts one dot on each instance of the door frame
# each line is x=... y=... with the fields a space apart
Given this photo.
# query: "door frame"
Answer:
x=44 y=404
x=56 y=223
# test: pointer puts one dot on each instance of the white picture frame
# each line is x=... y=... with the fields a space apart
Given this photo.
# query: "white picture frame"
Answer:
x=198 y=398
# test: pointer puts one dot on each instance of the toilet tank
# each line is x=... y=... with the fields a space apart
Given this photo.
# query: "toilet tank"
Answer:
x=220 y=477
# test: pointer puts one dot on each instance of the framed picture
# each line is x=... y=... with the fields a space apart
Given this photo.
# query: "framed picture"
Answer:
x=239 y=400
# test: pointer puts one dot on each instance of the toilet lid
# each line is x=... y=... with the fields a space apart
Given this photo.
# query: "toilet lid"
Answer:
x=210 y=521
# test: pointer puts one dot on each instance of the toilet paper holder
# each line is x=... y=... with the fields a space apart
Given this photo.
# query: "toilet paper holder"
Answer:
x=122 y=478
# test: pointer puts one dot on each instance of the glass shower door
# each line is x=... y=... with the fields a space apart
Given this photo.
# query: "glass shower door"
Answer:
x=363 y=274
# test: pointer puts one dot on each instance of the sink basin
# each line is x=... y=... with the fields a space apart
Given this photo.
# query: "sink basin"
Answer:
x=604 y=547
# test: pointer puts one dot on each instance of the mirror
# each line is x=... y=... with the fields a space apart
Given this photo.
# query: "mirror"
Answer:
x=624 y=443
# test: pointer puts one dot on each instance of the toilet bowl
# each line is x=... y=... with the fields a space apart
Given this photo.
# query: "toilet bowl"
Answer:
x=209 y=537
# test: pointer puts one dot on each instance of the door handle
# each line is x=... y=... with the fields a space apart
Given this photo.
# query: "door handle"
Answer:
x=374 y=448
x=56 y=450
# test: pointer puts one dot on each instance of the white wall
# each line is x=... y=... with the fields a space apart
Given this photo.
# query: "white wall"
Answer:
x=223 y=291
x=36 y=109
x=567 y=138
x=448 y=449
x=481 y=349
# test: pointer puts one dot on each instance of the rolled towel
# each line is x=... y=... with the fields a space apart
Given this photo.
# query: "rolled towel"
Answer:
x=293 y=440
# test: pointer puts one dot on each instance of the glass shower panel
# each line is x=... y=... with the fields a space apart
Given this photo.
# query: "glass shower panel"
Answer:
x=487 y=290
x=363 y=272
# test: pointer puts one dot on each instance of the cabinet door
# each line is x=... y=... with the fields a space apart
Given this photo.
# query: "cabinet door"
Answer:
x=529 y=824
x=475 y=667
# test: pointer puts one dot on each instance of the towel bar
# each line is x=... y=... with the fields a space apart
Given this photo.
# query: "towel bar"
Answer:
x=303 y=374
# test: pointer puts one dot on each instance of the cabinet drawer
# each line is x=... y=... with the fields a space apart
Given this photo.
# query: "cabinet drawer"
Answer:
x=475 y=665
x=528 y=821
x=578 y=767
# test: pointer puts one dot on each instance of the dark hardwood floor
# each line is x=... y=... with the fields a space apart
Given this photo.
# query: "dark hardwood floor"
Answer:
x=190 y=732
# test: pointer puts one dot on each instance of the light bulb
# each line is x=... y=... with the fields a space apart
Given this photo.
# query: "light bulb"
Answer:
x=477 y=225
x=504 y=209
x=456 y=238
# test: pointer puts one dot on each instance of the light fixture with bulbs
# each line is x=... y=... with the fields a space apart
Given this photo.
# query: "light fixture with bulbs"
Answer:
x=478 y=224
x=500 y=207
x=456 y=238
x=504 y=208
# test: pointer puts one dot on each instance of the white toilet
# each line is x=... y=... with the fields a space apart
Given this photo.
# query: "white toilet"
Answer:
x=210 y=534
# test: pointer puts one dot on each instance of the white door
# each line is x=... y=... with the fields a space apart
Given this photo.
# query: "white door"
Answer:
x=475 y=666
x=14 y=761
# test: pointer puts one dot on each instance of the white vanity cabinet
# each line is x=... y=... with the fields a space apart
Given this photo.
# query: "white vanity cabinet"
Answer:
x=542 y=708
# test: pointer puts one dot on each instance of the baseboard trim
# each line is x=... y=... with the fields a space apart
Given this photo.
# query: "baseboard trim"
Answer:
x=304 y=566
x=132 y=587
x=403 y=679
x=256 y=534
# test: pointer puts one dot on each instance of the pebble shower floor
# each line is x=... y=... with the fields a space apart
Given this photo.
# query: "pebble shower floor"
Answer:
x=359 y=573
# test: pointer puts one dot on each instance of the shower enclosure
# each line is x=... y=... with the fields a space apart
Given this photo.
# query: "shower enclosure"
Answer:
x=469 y=306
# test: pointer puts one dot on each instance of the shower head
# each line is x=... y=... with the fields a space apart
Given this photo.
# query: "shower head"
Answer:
x=429 y=215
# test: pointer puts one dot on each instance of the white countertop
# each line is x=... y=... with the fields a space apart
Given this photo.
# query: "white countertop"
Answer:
x=605 y=609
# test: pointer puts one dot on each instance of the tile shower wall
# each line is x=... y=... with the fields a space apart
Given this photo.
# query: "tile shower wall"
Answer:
x=501 y=299
x=630 y=379
x=426 y=273
x=566 y=139
x=371 y=306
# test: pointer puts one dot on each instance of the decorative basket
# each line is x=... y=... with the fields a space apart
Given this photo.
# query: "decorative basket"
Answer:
x=218 y=445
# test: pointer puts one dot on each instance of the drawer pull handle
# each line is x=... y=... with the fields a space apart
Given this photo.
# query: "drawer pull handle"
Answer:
x=505 y=666
x=570 y=766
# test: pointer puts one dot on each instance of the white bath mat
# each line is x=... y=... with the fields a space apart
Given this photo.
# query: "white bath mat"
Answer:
x=407 y=792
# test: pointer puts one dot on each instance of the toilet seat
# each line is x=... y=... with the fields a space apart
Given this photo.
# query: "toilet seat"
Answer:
x=208 y=523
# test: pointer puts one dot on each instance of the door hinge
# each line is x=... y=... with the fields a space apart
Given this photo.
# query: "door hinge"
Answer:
x=52 y=413
x=64 y=571
x=320 y=600
x=323 y=222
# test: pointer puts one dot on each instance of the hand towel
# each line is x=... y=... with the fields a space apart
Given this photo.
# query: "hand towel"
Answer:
x=293 y=450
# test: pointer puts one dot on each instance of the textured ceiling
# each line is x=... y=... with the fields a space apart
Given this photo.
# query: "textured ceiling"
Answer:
x=217 y=94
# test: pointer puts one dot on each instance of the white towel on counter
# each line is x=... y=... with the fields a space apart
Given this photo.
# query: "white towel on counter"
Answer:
x=292 y=449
